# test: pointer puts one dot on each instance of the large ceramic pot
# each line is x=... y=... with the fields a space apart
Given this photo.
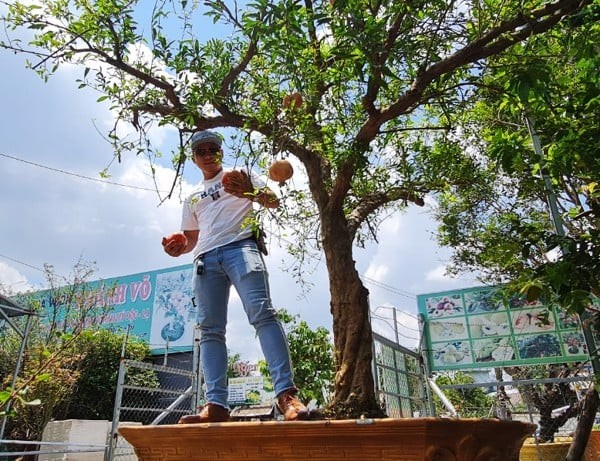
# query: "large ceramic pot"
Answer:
x=557 y=450
x=551 y=451
x=423 y=439
x=592 y=451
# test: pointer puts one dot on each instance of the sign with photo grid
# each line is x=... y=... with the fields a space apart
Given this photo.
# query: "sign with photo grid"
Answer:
x=480 y=328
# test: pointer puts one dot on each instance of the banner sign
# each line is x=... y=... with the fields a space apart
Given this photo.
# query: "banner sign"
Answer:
x=477 y=328
x=155 y=306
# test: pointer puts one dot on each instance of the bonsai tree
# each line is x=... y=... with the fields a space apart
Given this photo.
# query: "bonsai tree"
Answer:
x=353 y=91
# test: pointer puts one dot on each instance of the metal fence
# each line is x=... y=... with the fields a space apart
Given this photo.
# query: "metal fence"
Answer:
x=399 y=380
x=552 y=404
x=172 y=395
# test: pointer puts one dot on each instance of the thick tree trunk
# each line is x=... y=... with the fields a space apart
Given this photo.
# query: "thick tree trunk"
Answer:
x=353 y=339
x=584 y=426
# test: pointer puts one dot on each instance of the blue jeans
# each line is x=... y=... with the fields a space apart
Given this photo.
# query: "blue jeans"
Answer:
x=239 y=264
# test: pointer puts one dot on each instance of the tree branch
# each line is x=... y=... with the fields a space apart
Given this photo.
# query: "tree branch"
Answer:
x=373 y=202
x=495 y=41
x=375 y=80
x=233 y=74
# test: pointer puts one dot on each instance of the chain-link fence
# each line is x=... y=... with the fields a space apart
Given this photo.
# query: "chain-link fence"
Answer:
x=149 y=394
x=399 y=379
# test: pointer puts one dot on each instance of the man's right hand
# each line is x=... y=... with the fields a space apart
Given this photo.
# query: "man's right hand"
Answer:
x=175 y=244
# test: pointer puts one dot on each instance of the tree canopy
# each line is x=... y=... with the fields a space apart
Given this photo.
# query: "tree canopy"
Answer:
x=501 y=221
x=529 y=212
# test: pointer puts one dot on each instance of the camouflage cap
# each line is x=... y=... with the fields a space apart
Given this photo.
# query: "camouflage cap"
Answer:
x=206 y=136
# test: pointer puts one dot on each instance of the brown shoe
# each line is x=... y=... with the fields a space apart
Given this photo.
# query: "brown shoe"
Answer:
x=210 y=413
x=291 y=408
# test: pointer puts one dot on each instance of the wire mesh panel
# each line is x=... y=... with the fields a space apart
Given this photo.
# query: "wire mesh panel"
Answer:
x=149 y=394
x=399 y=379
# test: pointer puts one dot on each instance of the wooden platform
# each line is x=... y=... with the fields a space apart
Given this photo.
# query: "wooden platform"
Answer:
x=423 y=439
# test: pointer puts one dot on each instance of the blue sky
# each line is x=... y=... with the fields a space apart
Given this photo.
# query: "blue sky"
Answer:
x=55 y=210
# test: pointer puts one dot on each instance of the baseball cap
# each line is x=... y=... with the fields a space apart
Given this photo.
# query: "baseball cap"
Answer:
x=206 y=136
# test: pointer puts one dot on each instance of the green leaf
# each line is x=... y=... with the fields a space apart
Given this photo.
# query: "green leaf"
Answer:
x=4 y=396
x=44 y=377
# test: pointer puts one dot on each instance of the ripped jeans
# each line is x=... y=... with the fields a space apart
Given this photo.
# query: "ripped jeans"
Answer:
x=239 y=264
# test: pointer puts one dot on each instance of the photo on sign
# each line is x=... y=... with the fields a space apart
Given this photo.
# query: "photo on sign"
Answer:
x=444 y=306
x=174 y=314
x=250 y=390
x=520 y=301
x=574 y=343
x=485 y=325
x=538 y=346
x=493 y=350
x=537 y=320
x=452 y=328
x=481 y=302
x=567 y=321
x=452 y=353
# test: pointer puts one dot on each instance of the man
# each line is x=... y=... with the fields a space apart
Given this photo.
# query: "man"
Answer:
x=216 y=223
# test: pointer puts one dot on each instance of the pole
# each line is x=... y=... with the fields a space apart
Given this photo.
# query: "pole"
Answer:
x=166 y=353
x=396 y=325
x=445 y=401
x=560 y=231
x=197 y=377
x=109 y=454
x=423 y=354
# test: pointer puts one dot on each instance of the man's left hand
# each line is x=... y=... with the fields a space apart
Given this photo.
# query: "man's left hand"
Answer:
x=238 y=183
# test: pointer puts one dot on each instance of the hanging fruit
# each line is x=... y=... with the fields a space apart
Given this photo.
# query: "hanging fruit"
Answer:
x=281 y=171
x=292 y=101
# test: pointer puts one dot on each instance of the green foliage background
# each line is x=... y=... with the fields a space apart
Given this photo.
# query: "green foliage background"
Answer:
x=312 y=358
x=469 y=402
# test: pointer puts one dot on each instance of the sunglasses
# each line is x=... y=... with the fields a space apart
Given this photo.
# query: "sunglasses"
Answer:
x=204 y=152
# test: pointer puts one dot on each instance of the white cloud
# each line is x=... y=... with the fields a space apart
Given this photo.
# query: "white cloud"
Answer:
x=12 y=280
x=377 y=272
x=438 y=274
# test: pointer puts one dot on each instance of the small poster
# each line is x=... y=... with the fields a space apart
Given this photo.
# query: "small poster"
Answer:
x=174 y=313
x=250 y=390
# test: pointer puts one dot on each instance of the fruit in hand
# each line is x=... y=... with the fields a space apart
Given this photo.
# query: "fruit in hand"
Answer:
x=177 y=238
x=281 y=171
x=231 y=178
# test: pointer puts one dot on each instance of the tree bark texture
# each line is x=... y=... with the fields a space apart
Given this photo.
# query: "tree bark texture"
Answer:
x=353 y=338
x=584 y=426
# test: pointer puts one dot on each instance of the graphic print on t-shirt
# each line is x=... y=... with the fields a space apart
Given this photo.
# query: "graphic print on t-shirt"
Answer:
x=213 y=191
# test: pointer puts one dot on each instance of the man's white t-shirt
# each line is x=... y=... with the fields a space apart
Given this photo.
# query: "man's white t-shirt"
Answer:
x=220 y=217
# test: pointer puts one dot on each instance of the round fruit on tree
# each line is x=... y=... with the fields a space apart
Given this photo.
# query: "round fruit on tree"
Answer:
x=293 y=100
x=281 y=171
